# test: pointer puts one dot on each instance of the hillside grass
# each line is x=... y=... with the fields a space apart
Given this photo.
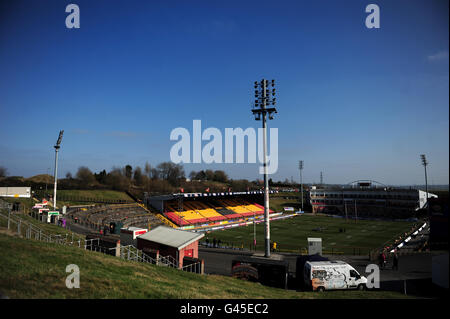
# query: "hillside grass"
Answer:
x=72 y=197
x=96 y=194
x=291 y=234
x=32 y=269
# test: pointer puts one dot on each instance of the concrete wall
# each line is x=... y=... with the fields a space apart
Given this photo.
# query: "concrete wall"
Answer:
x=182 y=252
x=440 y=270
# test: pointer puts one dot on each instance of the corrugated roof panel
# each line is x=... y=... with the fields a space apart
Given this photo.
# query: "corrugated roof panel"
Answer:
x=171 y=237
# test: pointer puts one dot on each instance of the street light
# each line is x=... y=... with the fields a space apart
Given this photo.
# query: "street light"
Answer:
x=46 y=179
x=57 y=146
x=263 y=99
x=300 y=166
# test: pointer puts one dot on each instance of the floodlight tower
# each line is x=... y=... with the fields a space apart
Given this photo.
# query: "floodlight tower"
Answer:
x=263 y=99
x=300 y=166
x=57 y=146
x=425 y=163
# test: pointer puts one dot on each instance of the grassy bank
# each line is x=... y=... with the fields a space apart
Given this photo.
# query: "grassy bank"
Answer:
x=96 y=194
x=70 y=197
x=32 y=269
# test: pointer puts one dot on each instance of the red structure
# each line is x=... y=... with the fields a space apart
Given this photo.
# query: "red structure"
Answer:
x=165 y=241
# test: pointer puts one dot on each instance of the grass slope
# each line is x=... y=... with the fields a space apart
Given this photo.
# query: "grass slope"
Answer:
x=32 y=269
x=98 y=194
x=291 y=234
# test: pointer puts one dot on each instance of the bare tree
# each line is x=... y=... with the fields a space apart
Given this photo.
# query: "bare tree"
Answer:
x=85 y=175
x=171 y=172
x=3 y=171
x=138 y=176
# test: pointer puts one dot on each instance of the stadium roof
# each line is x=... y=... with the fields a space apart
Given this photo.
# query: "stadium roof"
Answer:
x=193 y=195
x=171 y=237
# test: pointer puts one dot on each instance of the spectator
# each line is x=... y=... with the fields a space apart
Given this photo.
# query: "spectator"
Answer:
x=395 y=261
x=380 y=260
x=384 y=259
x=214 y=242
x=218 y=243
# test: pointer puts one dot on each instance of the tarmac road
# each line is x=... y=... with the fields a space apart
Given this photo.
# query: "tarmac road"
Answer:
x=414 y=270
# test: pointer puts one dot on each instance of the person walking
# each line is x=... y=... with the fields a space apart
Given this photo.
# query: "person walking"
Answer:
x=395 y=261
x=380 y=260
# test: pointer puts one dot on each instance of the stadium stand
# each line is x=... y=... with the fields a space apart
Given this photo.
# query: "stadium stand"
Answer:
x=100 y=216
x=205 y=211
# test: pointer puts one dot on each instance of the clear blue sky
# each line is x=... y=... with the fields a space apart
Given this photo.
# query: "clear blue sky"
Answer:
x=355 y=103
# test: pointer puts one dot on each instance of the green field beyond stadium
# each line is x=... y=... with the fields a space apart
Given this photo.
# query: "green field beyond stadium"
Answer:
x=359 y=238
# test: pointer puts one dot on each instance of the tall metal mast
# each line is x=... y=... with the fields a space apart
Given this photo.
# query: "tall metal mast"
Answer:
x=263 y=99
x=57 y=146
x=300 y=166
x=425 y=163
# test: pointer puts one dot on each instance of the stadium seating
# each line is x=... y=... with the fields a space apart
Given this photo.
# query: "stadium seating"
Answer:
x=211 y=210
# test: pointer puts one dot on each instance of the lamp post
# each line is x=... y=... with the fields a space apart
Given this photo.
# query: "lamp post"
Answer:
x=300 y=166
x=262 y=100
x=254 y=230
x=425 y=163
x=48 y=170
x=57 y=146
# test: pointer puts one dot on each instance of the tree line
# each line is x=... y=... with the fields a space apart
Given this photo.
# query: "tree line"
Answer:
x=166 y=177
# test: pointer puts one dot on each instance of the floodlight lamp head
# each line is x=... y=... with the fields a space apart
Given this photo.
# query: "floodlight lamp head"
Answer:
x=424 y=160
x=58 y=142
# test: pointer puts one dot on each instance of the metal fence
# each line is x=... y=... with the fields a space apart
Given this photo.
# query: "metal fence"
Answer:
x=5 y=204
x=130 y=252
x=28 y=230
x=249 y=246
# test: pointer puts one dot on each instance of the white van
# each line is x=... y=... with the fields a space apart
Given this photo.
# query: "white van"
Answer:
x=328 y=275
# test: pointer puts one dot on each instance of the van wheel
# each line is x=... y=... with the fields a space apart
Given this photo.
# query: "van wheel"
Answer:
x=320 y=289
x=361 y=287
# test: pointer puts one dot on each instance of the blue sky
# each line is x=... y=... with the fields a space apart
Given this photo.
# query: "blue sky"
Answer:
x=353 y=102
